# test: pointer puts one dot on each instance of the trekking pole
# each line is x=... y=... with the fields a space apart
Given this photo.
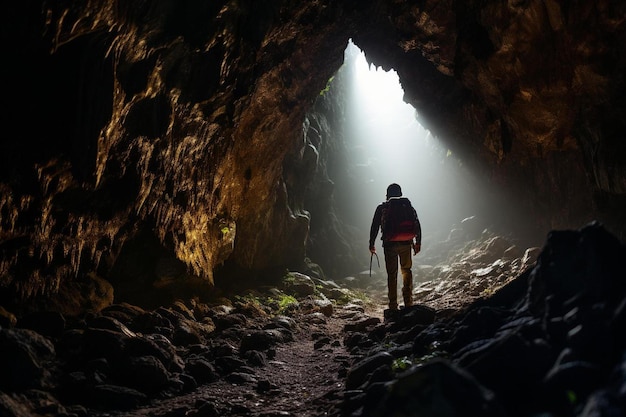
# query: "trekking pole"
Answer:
x=377 y=261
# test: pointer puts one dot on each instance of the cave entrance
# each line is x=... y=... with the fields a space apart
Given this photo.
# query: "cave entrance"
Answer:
x=386 y=143
x=372 y=138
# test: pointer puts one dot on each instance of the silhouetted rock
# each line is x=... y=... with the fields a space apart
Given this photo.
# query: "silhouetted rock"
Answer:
x=359 y=372
x=25 y=359
x=552 y=333
x=436 y=388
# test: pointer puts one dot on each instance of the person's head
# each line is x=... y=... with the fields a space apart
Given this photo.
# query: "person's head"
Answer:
x=394 y=190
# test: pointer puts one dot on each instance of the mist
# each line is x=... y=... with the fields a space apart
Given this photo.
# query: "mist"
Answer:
x=387 y=144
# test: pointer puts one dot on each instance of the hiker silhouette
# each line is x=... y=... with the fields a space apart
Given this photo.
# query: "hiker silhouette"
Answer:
x=401 y=231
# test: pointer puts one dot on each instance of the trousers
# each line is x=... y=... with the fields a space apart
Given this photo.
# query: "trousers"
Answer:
x=399 y=252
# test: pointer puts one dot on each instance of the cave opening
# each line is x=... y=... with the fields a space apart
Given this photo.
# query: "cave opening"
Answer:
x=388 y=144
x=385 y=142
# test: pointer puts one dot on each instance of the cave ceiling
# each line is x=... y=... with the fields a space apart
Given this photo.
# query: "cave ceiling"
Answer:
x=177 y=118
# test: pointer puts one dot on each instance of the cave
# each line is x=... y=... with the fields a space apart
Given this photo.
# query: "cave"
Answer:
x=174 y=150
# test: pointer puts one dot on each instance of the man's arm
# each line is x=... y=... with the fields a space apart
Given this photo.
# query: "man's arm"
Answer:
x=375 y=226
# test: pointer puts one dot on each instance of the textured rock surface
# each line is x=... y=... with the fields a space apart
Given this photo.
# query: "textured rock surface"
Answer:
x=174 y=130
x=547 y=340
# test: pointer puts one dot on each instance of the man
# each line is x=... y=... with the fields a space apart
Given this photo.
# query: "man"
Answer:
x=397 y=245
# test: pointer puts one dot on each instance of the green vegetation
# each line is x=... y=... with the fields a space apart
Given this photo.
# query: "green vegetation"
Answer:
x=248 y=298
x=285 y=302
x=401 y=364
x=430 y=356
x=327 y=88
x=571 y=397
x=279 y=303
x=405 y=362
x=361 y=295
x=288 y=278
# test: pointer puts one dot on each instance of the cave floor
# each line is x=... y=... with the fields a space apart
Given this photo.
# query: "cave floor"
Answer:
x=306 y=376
x=302 y=379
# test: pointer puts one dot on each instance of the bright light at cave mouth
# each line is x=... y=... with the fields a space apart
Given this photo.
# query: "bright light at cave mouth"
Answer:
x=388 y=144
x=380 y=94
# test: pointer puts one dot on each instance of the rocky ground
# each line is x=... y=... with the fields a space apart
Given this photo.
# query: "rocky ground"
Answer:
x=495 y=331
x=302 y=377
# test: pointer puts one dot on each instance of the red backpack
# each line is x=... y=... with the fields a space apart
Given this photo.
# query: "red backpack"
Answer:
x=399 y=220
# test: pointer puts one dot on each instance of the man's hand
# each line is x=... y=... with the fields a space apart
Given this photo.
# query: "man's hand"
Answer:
x=372 y=249
x=417 y=247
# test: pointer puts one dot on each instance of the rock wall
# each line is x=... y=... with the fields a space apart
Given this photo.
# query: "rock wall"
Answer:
x=184 y=123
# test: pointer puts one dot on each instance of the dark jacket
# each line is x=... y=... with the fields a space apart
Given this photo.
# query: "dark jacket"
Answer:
x=376 y=223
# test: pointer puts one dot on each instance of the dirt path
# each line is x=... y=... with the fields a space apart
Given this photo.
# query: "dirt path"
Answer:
x=305 y=378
